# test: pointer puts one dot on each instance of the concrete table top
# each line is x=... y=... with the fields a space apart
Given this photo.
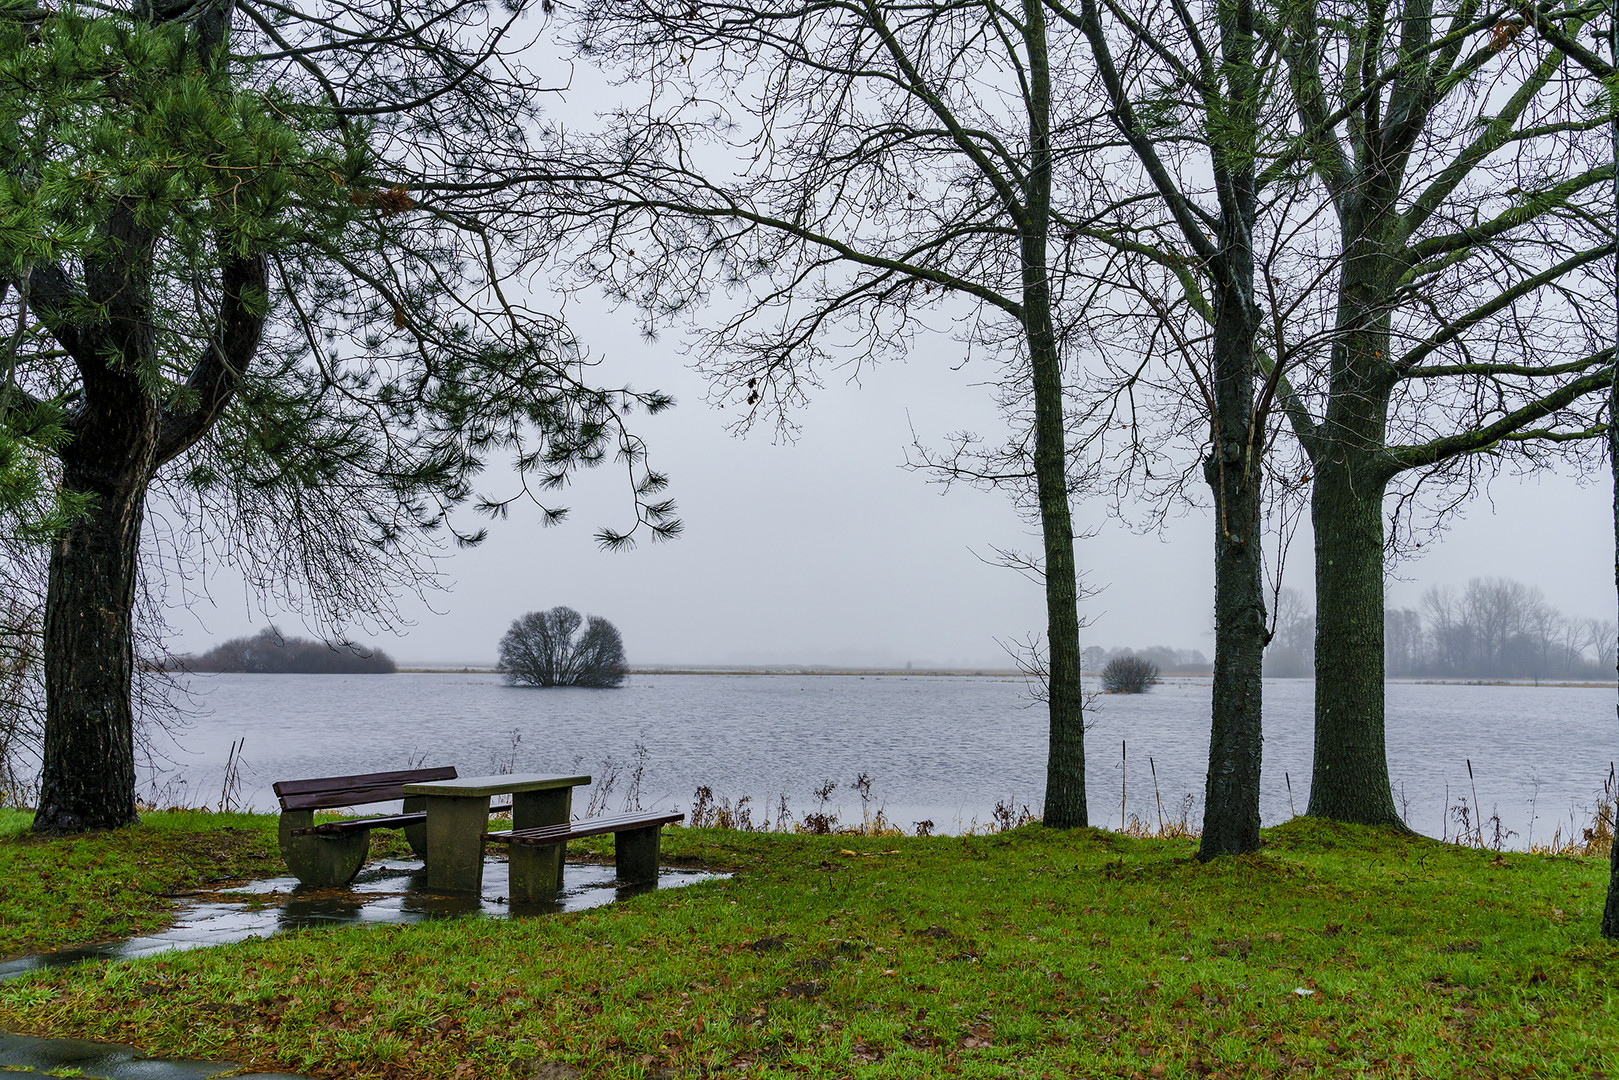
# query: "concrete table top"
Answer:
x=473 y=787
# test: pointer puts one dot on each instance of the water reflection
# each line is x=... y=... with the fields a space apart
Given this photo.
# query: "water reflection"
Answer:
x=385 y=892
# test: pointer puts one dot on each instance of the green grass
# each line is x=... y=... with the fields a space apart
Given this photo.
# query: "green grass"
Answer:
x=14 y=823
x=56 y=893
x=1032 y=953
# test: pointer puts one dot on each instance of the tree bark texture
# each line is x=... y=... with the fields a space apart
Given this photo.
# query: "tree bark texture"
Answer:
x=88 y=780
x=1236 y=737
x=1065 y=805
x=1233 y=469
x=1350 y=780
x=1610 y=910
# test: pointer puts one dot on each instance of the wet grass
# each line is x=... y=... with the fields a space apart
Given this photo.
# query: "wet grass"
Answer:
x=57 y=893
x=1337 y=951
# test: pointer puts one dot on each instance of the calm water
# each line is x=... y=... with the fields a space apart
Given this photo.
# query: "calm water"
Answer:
x=940 y=748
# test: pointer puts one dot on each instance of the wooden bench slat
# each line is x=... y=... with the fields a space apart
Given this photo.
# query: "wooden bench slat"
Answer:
x=393 y=821
x=562 y=832
x=326 y=792
x=390 y=821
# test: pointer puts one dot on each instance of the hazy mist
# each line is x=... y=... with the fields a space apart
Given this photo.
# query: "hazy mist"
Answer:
x=824 y=550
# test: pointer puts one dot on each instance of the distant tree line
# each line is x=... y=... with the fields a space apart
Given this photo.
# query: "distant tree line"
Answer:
x=269 y=652
x=1494 y=628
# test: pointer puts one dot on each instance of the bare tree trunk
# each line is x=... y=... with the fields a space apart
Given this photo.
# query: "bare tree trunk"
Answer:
x=1236 y=738
x=1234 y=466
x=1065 y=806
x=88 y=780
x=1610 y=911
x=1350 y=780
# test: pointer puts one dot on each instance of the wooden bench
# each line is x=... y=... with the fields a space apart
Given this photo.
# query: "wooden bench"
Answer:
x=331 y=853
x=635 y=851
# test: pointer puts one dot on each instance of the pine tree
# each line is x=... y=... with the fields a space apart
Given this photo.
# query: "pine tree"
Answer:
x=255 y=260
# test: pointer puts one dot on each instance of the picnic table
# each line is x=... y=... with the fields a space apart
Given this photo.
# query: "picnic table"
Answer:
x=330 y=854
x=458 y=817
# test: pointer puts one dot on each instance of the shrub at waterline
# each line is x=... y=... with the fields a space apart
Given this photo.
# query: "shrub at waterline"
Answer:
x=1338 y=950
x=1129 y=675
x=547 y=648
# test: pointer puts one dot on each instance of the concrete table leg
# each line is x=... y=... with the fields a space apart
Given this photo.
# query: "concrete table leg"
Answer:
x=536 y=872
x=455 y=828
x=635 y=855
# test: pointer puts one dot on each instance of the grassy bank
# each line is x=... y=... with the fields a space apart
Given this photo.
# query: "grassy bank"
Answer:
x=1336 y=951
x=54 y=893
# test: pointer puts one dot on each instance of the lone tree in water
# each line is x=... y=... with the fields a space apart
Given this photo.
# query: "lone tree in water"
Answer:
x=1129 y=675
x=242 y=241
x=546 y=648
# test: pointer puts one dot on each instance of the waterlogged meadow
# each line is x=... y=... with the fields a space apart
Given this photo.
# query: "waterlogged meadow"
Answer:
x=1335 y=951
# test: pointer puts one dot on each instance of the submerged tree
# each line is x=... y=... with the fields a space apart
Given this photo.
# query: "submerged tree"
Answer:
x=255 y=255
x=548 y=648
x=1129 y=675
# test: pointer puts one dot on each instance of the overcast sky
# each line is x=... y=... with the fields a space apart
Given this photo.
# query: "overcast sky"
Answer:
x=825 y=550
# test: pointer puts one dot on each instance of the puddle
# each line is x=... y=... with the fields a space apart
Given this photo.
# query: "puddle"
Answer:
x=387 y=891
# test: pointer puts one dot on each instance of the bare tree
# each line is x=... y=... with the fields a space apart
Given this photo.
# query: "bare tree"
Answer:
x=1454 y=318
x=21 y=690
x=1292 y=643
x=1189 y=101
x=858 y=177
x=1129 y=675
x=548 y=648
x=1555 y=27
x=1403 y=642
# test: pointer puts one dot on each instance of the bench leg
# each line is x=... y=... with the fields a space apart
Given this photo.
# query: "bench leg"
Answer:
x=635 y=855
x=416 y=835
x=535 y=872
x=326 y=862
x=531 y=809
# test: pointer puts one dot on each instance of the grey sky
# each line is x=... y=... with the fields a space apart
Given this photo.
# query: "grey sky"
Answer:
x=824 y=550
